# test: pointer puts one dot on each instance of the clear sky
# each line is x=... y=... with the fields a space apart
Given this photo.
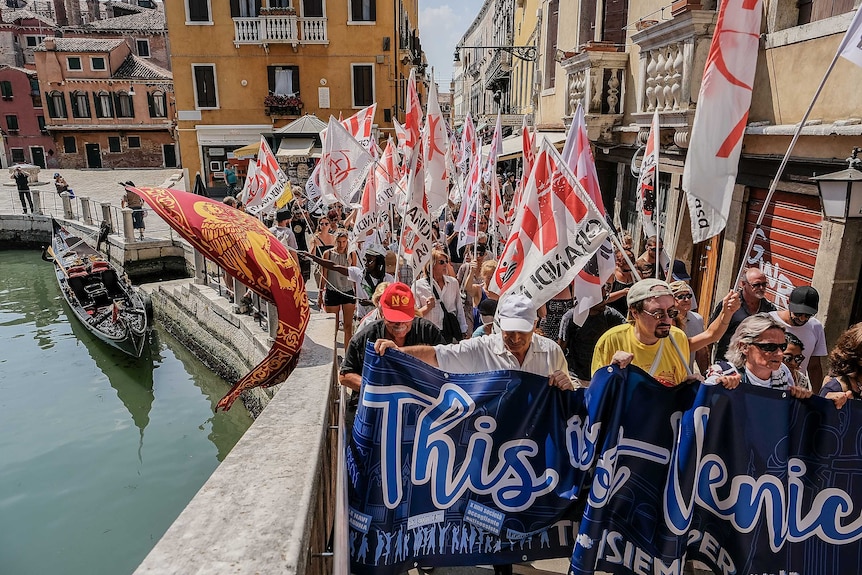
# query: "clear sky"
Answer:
x=441 y=25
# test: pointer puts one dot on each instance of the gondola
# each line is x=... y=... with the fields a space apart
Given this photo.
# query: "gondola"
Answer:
x=103 y=299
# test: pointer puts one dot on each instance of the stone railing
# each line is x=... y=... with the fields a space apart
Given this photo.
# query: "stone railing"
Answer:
x=672 y=57
x=596 y=78
x=269 y=29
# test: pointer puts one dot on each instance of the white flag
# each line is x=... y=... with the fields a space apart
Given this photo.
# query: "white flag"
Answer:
x=722 y=113
x=851 y=45
x=557 y=230
x=271 y=178
x=434 y=145
x=251 y=190
x=345 y=165
x=416 y=228
x=647 y=190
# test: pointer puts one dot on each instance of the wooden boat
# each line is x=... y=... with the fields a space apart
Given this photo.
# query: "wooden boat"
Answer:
x=103 y=299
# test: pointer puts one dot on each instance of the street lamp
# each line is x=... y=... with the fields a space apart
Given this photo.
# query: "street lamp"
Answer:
x=526 y=53
x=841 y=192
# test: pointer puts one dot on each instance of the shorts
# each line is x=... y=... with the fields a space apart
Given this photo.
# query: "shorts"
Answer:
x=305 y=268
x=138 y=218
x=333 y=297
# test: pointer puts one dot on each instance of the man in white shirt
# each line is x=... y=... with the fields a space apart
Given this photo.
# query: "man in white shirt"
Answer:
x=799 y=320
x=517 y=347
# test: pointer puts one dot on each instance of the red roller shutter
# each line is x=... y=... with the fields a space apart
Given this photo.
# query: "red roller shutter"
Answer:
x=787 y=249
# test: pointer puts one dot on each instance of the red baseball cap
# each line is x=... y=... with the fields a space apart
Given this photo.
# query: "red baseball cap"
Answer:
x=398 y=303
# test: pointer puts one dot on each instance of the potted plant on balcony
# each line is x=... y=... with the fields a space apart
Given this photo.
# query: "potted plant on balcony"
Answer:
x=278 y=104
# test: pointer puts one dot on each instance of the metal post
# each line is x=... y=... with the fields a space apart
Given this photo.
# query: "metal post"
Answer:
x=37 y=201
x=128 y=229
x=67 y=206
x=85 y=211
x=106 y=217
x=200 y=271
x=272 y=319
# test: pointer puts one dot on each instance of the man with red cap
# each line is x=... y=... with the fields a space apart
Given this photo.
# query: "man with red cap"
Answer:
x=399 y=324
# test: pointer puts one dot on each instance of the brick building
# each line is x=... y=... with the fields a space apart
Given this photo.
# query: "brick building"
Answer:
x=22 y=120
x=106 y=107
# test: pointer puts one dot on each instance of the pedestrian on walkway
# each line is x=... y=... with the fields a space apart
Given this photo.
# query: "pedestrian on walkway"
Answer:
x=134 y=201
x=22 y=182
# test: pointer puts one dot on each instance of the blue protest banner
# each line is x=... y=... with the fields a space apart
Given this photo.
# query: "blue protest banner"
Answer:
x=449 y=469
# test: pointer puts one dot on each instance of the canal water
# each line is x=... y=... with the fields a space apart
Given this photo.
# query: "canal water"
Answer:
x=99 y=452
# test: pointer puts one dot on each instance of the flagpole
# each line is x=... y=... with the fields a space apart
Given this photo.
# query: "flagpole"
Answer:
x=774 y=184
x=675 y=243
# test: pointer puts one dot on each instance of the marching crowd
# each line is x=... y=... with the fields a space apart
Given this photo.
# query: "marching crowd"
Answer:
x=448 y=315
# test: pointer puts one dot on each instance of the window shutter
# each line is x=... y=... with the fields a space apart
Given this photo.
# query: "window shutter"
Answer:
x=373 y=9
x=151 y=105
x=97 y=105
x=115 y=100
x=295 y=72
x=50 y=101
x=270 y=78
x=131 y=107
x=86 y=105
x=74 y=105
x=234 y=9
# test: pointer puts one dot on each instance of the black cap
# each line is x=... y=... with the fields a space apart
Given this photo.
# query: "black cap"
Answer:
x=488 y=307
x=283 y=215
x=804 y=299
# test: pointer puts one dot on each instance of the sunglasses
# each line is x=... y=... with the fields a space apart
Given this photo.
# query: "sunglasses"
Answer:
x=758 y=285
x=769 y=347
x=684 y=296
x=798 y=358
x=661 y=314
x=801 y=315
x=442 y=262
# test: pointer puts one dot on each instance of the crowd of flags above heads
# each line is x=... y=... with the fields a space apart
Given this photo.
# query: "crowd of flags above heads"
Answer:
x=557 y=217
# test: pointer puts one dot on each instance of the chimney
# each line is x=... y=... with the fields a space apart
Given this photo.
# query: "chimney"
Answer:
x=49 y=43
x=73 y=9
x=60 y=10
x=95 y=11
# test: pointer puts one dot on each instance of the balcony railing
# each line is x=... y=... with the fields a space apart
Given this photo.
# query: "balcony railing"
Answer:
x=280 y=29
x=596 y=78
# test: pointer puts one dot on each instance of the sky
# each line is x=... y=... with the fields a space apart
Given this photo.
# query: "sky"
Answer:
x=441 y=25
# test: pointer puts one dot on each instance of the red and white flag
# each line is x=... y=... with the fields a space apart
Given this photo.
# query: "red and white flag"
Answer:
x=557 y=230
x=345 y=165
x=648 y=180
x=271 y=179
x=416 y=240
x=588 y=283
x=469 y=145
x=722 y=113
x=412 y=115
x=528 y=147
x=360 y=125
x=497 y=226
x=435 y=140
x=251 y=193
x=386 y=175
x=466 y=224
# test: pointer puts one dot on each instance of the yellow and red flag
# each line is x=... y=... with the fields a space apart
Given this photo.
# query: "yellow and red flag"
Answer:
x=246 y=249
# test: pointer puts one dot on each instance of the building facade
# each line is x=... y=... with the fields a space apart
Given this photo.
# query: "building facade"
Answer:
x=25 y=139
x=106 y=107
x=266 y=63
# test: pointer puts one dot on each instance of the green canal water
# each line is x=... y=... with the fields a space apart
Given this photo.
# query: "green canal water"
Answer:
x=99 y=452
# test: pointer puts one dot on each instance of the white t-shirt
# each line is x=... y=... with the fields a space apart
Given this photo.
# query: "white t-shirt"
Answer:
x=488 y=353
x=362 y=289
x=451 y=296
x=285 y=236
x=811 y=335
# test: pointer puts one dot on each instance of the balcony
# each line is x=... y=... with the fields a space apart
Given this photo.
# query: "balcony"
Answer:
x=279 y=29
x=596 y=78
x=672 y=57
x=282 y=106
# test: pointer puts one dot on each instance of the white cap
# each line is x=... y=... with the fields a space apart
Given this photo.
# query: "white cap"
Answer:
x=516 y=313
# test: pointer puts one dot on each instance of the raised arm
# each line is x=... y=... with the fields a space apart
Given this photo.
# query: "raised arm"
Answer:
x=729 y=304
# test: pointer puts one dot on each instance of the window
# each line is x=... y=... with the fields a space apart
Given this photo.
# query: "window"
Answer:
x=125 y=105
x=70 y=145
x=56 y=104
x=74 y=63
x=198 y=11
x=143 y=47
x=312 y=8
x=283 y=80
x=205 y=86
x=114 y=144
x=550 y=72
x=80 y=105
x=6 y=89
x=41 y=121
x=103 y=104
x=34 y=85
x=363 y=85
x=97 y=63
x=363 y=10
x=134 y=141
x=157 y=104
x=33 y=41
x=12 y=123
x=18 y=156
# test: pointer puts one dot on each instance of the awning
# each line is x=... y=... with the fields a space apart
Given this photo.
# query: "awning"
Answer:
x=249 y=151
x=512 y=144
x=295 y=147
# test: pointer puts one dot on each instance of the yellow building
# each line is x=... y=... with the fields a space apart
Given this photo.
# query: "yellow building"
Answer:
x=245 y=68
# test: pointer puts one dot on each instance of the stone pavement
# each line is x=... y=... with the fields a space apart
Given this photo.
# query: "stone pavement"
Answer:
x=100 y=186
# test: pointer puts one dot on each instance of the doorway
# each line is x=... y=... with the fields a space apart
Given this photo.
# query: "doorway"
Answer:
x=37 y=156
x=94 y=155
x=170 y=153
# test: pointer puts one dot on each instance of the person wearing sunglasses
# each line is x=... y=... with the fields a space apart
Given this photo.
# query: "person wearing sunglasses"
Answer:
x=845 y=368
x=793 y=358
x=438 y=295
x=799 y=320
x=755 y=357
x=649 y=340
x=753 y=291
x=691 y=323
